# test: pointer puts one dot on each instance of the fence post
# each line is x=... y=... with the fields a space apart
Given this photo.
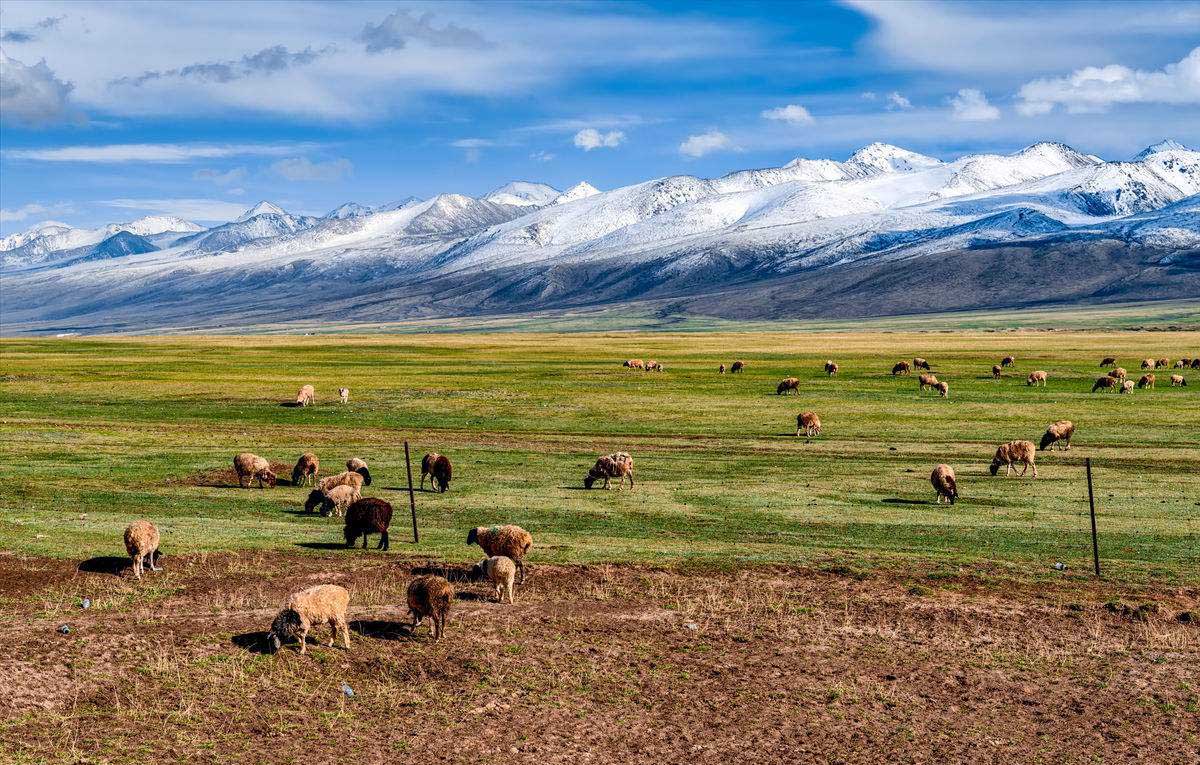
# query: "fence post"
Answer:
x=412 y=498
x=1092 y=507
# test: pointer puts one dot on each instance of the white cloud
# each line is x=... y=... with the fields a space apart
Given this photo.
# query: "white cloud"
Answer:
x=541 y=156
x=705 y=143
x=170 y=153
x=304 y=169
x=971 y=105
x=32 y=96
x=1096 y=88
x=192 y=209
x=591 y=138
x=473 y=147
x=399 y=28
x=896 y=101
x=869 y=95
x=33 y=210
x=236 y=175
x=793 y=114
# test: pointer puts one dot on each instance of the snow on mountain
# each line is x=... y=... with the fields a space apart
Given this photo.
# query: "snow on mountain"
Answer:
x=262 y=221
x=46 y=239
x=119 y=245
x=1167 y=144
x=523 y=194
x=397 y=205
x=1124 y=188
x=348 y=210
x=580 y=190
x=878 y=158
x=262 y=208
x=989 y=171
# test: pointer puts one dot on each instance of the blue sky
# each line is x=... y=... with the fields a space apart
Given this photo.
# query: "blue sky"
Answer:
x=110 y=111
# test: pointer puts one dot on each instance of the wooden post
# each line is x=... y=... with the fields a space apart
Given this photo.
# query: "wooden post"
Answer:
x=1092 y=506
x=412 y=498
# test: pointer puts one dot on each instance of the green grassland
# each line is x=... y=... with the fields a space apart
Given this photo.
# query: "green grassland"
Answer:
x=97 y=432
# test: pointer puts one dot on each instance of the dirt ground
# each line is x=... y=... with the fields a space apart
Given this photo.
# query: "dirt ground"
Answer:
x=594 y=664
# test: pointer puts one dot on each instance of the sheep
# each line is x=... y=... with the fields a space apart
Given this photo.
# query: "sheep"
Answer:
x=337 y=501
x=1108 y=361
x=944 y=483
x=920 y=363
x=635 y=364
x=251 y=467
x=510 y=541
x=430 y=596
x=1059 y=432
x=1149 y=363
x=1036 y=377
x=654 y=366
x=1196 y=363
x=617 y=465
x=1012 y=453
x=996 y=371
x=141 y=542
x=786 y=384
x=1105 y=383
x=738 y=366
x=942 y=388
x=308 y=466
x=348 y=478
x=306 y=396
x=926 y=381
x=369 y=515
x=809 y=423
x=901 y=368
x=1118 y=373
x=1127 y=386
x=322 y=604
x=438 y=468
x=1178 y=381
x=1163 y=363
x=1008 y=361
x=344 y=395
x=721 y=369
x=1146 y=381
x=356 y=465
x=831 y=368
x=1182 y=364
x=500 y=571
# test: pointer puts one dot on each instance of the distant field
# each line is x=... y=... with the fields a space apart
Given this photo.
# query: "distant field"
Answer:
x=97 y=432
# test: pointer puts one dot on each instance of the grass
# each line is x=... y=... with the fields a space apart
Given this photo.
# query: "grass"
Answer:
x=97 y=432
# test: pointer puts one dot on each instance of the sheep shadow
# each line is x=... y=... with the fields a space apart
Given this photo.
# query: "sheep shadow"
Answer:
x=382 y=630
x=458 y=575
x=900 y=501
x=291 y=405
x=416 y=490
x=323 y=545
x=107 y=564
x=254 y=642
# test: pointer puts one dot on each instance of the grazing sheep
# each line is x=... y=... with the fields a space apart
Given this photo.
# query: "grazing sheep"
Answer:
x=141 y=542
x=1008 y=361
x=1012 y=453
x=831 y=368
x=510 y=541
x=430 y=596
x=314 y=500
x=809 y=423
x=1118 y=373
x=322 y=604
x=1108 y=361
x=942 y=388
x=438 y=468
x=1105 y=383
x=338 y=501
x=738 y=366
x=1196 y=363
x=944 y=483
x=251 y=467
x=369 y=515
x=1178 y=381
x=356 y=465
x=1127 y=386
x=635 y=364
x=306 y=396
x=1036 y=377
x=348 y=478
x=617 y=465
x=1163 y=364
x=786 y=384
x=996 y=371
x=308 y=466
x=1149 y=363
x=654 y=366
x=921 y=364
x=344 y=395
x=1182 y=364
x=721 y=369
x=926 y=381
x=500 y=571
x=1146 y=381
x=901 y=368
x=1059 y=432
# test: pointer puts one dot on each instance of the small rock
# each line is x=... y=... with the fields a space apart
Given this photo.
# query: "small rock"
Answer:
x=1060 y=566
x=64 y=629
x=86 y=603
x=692 y=626
x=348 y=691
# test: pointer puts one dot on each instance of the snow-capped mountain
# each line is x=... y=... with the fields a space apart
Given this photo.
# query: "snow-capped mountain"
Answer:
x=1165 y=145
x=885 y=216
x=43 y=240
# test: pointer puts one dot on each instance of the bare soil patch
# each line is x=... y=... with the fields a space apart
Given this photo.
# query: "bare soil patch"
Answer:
x=226 y=478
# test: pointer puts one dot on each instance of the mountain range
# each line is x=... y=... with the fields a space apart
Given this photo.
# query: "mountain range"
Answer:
x=886 y=231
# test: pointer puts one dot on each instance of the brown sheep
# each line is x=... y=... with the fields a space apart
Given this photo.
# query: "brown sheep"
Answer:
x=1107 y=382
x=919 y=363
x=430 y=596
x=831 y=368
x=308 y=466
x=944 y=483
x=925 y=382
x=809 y=423
x=1008 y=361
x=347 y=478
x=617 y=465
x=901 y=368
x=141 y=542
x=306 y=396
x=1146 y=381
x=322 y=604
x=1196 y=363
x=510 y=541
x=338 y=500
x=942 y=388
x=1059 y=432
x=1012 y=453
x=1118 y=373
x=251 y=467
x=1108 y=361
x=1178 y=381
x=654 y=366
x=635 y=364
x=1163 y=364
x=1036 y=377
x=786 y=384
x=1127 y=386
x=996 y=371
x=356 y=465
x=438 y=468
x=366 y=516
x=738 y=366
x=721 y=369
x=500 y=571
x=1149 y=363
x=1182 y=364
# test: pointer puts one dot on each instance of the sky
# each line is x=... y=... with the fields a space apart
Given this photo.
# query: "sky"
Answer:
x=114 y=110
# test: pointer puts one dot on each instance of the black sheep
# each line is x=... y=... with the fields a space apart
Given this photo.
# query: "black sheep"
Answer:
x=369 y=515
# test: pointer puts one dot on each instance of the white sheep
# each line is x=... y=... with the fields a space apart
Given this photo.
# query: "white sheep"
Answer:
x=500 y=571
x=344 y=395
x=322 y=604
